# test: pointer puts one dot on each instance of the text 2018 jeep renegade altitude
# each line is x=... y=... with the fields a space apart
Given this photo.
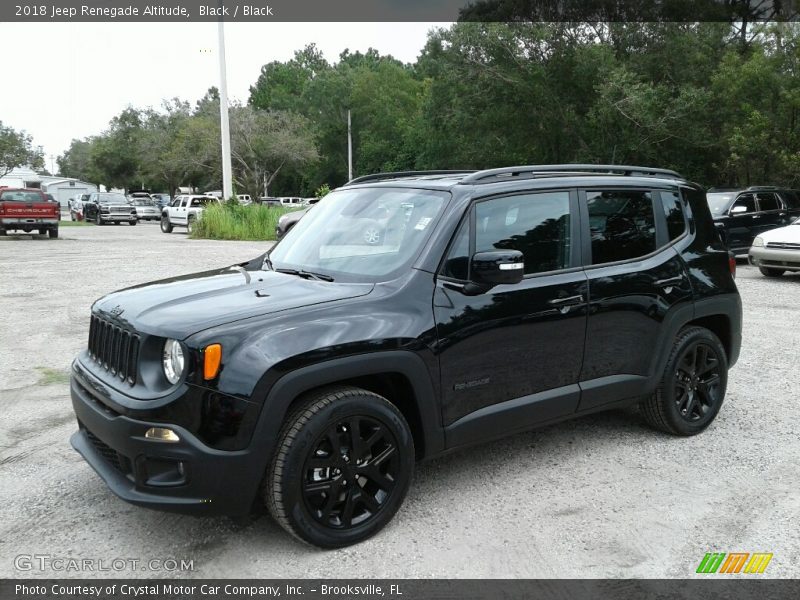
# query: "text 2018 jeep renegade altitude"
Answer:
x=312 y=378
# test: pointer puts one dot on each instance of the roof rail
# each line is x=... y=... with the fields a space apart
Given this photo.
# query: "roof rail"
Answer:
x=566 y=170
x=762 y=188
x=401 y=174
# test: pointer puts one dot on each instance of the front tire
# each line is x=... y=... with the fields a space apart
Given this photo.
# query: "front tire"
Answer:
x=190 y=225
x=342 y=467
x=767 y=272
x=98 y=220
x=132 y=222
x=166 y=226
x=692 y=387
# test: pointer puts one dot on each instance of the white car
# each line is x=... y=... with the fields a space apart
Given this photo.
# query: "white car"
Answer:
x=184 y=211
x=776 y=251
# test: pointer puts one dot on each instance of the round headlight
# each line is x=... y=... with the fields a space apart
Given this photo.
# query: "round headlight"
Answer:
x=758 y=242
x=173 y=361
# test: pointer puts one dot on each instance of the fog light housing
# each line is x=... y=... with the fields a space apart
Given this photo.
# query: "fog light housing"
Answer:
x=162 y=434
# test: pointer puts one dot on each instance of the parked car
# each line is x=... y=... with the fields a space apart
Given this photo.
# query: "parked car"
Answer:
x=244 y=199
x=146 y=209
x=184 y=211
x=312 y=377
x=161 y=200
x=76 y=206
x=776 y=251
x=742 y=214
x=289 y=220
x=28 y=210
x=109 y=207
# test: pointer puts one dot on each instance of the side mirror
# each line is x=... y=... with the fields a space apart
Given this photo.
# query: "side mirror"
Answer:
x=738 y=210
x=497 y=267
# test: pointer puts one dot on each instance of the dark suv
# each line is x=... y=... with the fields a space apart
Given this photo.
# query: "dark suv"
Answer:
x=311 y=378
x=742 y=214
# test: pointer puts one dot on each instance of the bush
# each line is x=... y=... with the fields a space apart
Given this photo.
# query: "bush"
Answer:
x=232 y=221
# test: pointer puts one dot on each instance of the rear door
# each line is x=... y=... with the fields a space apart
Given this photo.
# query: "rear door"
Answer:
x=771 y=212
x=637 y=281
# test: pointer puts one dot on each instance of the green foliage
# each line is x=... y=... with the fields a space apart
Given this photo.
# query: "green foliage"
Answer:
x=16 y=150
x=232 y=221
x=322 y=191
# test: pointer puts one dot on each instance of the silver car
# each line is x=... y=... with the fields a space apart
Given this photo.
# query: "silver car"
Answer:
x=776 y=251
x=146 y=209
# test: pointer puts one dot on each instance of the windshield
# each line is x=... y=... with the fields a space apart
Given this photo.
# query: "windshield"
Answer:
x=358 y=233
x=142 y=202
x=113 y=199
x=719 y=202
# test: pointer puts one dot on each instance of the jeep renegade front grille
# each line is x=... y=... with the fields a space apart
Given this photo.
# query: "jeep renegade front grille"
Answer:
x=114 y=348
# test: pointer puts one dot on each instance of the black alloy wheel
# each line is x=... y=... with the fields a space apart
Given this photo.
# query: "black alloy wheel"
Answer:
x=692 y=386
x=697 y=381
x=350 y=473
x=342 y=467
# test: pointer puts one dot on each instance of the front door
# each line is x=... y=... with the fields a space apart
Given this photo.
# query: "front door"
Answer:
x=511 y=356
x=743 y=218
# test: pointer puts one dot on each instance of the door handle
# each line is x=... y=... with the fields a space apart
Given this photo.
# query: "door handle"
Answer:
x=670 y=282
x=568 y=301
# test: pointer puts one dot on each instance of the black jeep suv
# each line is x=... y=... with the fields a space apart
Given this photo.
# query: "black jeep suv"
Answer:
x=312 y=378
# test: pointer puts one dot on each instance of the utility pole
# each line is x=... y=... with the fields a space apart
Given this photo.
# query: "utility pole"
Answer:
x=349 y=147
x=225 y=129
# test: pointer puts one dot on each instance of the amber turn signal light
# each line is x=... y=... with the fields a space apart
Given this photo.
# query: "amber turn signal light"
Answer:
x=212 y=358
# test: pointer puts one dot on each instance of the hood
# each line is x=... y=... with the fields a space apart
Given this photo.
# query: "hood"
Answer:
x=790 y=233
x=182 y=306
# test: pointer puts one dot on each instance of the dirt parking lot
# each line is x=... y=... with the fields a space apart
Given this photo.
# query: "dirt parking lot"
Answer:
x=602 y=496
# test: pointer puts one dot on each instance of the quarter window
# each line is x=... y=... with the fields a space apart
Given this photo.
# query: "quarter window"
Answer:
x=673 y=211
x=622 y=225
x=538 y=225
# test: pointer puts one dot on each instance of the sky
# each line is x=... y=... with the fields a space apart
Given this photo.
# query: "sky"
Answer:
x=74 y=77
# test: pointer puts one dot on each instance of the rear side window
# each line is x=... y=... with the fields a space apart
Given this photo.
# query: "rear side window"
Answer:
x=538 y=225
x=673 y=211
x=768 y=202
x=20 y=196
x=622 y=225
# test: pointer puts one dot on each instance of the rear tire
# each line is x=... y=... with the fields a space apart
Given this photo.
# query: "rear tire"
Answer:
x=166 y=226
x=692 y=387
x=53 y=233
x=341 y=469
x=767 y=272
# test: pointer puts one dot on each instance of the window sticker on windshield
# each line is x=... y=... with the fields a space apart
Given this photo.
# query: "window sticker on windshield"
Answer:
x=423 y=223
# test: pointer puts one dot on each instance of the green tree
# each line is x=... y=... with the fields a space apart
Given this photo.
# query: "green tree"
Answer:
x=16 y=150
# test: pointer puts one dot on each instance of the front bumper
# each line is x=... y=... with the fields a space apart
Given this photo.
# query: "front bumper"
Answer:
x=186 y=476
x=117 y=217
x=774 y=258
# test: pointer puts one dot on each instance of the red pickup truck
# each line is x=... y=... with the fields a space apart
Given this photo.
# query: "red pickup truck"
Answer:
x=28 y=210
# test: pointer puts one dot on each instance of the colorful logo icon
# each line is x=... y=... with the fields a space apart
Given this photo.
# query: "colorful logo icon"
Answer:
x=734 y=562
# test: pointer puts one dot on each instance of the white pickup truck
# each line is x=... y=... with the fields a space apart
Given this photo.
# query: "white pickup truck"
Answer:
x=184 y=211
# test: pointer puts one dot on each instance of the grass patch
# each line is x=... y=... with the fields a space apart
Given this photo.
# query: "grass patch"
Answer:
x=255 y=222
x=68 y=223
x=48 y=376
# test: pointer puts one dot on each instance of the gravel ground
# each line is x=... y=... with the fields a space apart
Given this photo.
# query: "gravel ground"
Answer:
x=600 y=496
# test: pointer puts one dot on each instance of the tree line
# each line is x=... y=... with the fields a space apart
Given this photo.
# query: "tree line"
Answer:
x=711 y=100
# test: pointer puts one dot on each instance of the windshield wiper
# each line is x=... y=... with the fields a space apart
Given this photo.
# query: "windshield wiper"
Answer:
x=306 y=274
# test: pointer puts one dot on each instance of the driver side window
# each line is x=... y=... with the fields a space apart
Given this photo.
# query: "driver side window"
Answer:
x=744 y=204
